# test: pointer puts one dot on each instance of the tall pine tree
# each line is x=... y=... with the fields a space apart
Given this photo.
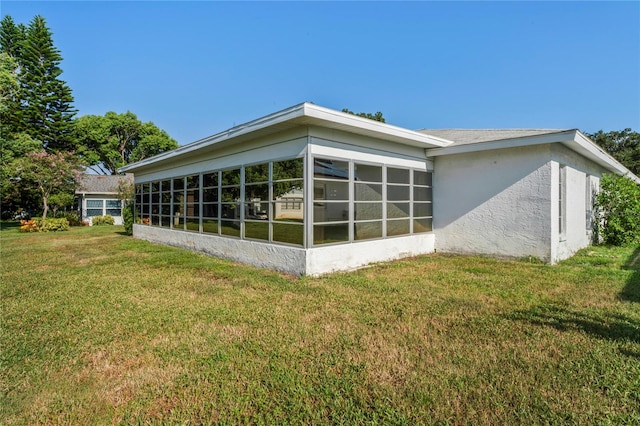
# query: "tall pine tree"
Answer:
x=43 y=105
x=12 y=37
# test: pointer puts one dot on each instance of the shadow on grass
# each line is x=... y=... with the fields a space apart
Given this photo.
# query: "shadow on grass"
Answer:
x=608 y=326
x=6 y=225
x=631 y=291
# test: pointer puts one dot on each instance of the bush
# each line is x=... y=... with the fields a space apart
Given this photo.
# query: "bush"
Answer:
x=127 y=219
x=47 y=225
x=103 y=220
x=618 y=211
x=73 y=219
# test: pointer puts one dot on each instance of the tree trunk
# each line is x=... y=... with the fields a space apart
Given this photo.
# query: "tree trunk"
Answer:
x=46 y=208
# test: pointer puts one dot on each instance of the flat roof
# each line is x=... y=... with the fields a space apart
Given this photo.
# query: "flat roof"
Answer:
x=304 y=114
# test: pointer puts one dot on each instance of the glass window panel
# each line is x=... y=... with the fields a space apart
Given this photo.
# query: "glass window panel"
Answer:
x=330 y=190
x=422 y=194
x=256 y=211
x=155 y=209
x=289 y=209
x=287 y=189
x=422 y=178
x=178 y=184
x=209 y=195
x=231 y=194
x=288 y=233
x=114 y=212
x=165 y=221
x=155 y=198
x=231 y=211
x=368 y=192
x=256 y=230
x=367 y=211
x=193 y=181
x=230 y=227
x=155 y=186
x=367 y=230
x=288 y=169
x=256 y=173
x=193 y=196
x=166 y=185
x=210 y=210
x=139 y=199
x=368 y=173
x=398 y=193
x=333 y=169
x=94 y=203
x=397 y=210
x=193 y=224
x=397 y=227
x=166 y=198
x=325 y=234
x=94 y=212
x=422 y=225
x=145 y=209
x=422 y=209
x=231 y=177
x=165 y=210
x=145 y=188
x=210 y=226
x=139 y=189
x=193 y=210
x=397 y=175
x=155 y=220
x=113 y=204
x=210 y=179
x=330 y=212
x=256 y=192
x=178 y=222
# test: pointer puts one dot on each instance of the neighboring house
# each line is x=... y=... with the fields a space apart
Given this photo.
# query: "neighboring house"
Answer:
x=309 y=190
x=98 y=196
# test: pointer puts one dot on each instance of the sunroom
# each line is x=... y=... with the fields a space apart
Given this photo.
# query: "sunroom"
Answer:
x=306 y=190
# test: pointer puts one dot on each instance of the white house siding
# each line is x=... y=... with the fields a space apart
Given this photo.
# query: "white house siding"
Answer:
x=495 y=202
x=578 y=232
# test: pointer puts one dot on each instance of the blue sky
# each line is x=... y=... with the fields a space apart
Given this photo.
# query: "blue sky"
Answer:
x=197 y=68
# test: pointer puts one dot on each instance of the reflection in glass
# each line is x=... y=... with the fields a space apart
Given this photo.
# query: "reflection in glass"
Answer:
x=368 y=192
x=287 y=233
x=334 y=169
x=288 y=169
x=330 y=212
x=330 y=190
x=422 y=225
x=397 y=227
x=368 y=211
x=256 y=230
x=397 y=210
x=367 y=230
x=365 y=172
x=397 y=175
x=398 y=193
x=230 y=227
x=256 y=173
x=325 y=234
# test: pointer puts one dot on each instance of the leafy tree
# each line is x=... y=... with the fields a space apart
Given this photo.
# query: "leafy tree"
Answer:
x=48 y=173
x=12 y=37
x=622 y=145
x=377 y=116
x=618 y=209
x=111 y=141
x=60 y=200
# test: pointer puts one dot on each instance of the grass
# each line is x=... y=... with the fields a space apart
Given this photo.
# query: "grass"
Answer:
x=100 y=328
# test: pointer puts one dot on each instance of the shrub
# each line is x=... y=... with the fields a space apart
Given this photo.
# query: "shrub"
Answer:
x=73 y=219
x=618 y=209
x=47 y=225
x=103 y=220
x=127 y=219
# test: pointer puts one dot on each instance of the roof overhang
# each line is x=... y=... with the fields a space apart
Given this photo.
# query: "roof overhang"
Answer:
x=304 y=114
x=572 y=139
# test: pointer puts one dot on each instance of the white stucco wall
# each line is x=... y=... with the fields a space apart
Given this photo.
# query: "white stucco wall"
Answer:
x=344 y=257
x=578 y=233
x=495 y=202
x=291 y=260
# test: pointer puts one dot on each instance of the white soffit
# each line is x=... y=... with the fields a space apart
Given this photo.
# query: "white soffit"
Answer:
x=305 y=114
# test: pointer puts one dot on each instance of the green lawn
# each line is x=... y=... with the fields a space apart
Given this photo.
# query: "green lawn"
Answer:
x=100 y=328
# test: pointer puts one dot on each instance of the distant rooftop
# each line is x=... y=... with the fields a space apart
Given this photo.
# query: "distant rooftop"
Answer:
x=101 y=184
x=469 y=136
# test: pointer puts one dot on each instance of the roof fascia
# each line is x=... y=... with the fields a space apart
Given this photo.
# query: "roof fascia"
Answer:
x=572 y=139
x=503 y=143
x=303 y=114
